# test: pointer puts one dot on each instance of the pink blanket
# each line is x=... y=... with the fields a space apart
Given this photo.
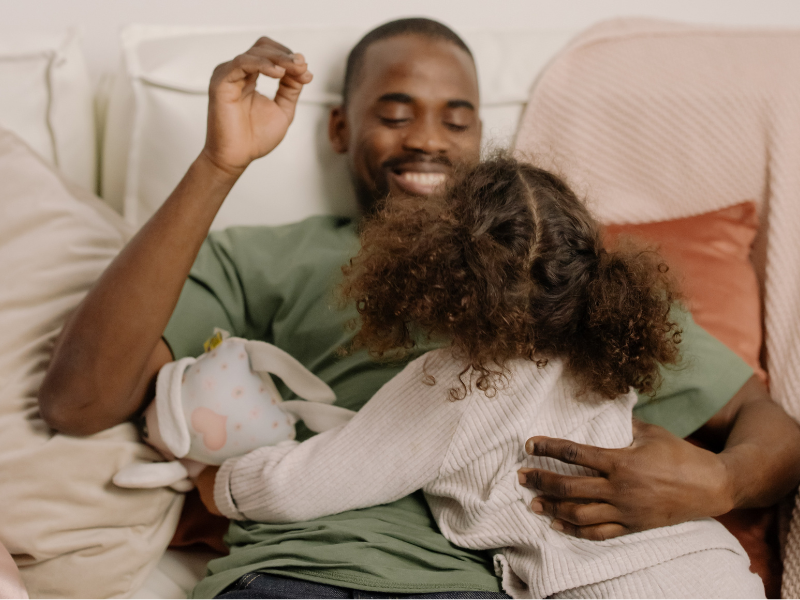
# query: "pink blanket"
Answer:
x=654 y=121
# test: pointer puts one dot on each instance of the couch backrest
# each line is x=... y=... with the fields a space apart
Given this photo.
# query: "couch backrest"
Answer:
x=157 y=112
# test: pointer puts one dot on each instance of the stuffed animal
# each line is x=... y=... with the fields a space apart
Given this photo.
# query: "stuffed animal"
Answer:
x=224 y=404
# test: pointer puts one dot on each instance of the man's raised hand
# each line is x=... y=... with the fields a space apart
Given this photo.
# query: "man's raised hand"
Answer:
x=244 y=125
x=659 y=480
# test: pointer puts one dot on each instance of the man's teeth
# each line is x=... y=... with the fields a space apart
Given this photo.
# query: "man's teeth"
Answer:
x=424 y=178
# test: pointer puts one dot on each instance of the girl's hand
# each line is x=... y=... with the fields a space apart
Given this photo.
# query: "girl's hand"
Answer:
x=244 y=125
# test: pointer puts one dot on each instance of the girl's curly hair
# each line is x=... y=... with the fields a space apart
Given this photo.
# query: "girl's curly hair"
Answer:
x=506 y=262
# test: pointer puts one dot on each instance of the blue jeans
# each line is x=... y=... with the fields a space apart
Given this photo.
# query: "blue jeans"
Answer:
x=263 y=585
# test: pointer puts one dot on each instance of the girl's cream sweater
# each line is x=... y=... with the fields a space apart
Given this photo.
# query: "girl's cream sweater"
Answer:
x=464 y=455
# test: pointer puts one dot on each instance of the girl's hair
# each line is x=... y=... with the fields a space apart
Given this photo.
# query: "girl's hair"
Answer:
x=506 y=262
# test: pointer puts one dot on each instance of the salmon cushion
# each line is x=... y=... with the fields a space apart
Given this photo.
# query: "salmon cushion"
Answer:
x=709 y=254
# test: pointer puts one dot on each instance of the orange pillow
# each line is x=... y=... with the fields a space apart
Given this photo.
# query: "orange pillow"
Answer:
x=710 y=256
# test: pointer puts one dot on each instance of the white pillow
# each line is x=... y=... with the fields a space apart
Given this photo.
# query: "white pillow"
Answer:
x=72 y=533
x=157 y=116
x=46 y=98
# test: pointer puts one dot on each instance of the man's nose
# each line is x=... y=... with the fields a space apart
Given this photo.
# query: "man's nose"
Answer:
x=426 y=135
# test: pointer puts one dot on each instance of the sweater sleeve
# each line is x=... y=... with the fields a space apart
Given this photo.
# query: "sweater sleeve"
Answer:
x=392 y=447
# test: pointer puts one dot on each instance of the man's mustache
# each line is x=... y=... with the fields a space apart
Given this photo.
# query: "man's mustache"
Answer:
x=398 y=161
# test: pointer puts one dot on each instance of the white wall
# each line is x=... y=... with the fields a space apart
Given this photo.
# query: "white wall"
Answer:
x=100 y=20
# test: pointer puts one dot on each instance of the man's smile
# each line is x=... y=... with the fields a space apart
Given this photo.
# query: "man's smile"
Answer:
x=419 y=178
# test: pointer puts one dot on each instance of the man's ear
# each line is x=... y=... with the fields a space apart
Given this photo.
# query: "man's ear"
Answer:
x=338 y=131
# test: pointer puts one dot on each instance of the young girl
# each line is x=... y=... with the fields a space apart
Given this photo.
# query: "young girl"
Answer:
x=540 y=332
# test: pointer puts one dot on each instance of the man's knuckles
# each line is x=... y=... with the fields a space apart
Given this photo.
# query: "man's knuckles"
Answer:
x=267 y=42
x=562 y=450
x=551 y=483
x=576 y=513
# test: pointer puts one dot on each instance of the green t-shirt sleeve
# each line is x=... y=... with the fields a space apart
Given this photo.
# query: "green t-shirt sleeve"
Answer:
x=265 y=283
x=692 y=392
x=213 y=296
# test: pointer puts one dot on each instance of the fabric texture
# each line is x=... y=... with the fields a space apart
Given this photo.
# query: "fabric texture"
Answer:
x=277 y=284
x=465 y=456
x=696 y=575
x=71 y=533
x=656 y=121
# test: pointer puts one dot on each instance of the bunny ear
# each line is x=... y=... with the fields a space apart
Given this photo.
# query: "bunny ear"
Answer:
x=151 y=475
x=269 y=358
x=171 y=419
x=317 y=417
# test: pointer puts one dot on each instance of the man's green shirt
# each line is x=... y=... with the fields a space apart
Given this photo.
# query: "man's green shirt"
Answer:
x=278 y=284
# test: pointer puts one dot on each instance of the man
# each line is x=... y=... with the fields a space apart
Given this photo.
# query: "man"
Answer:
x=409 y=115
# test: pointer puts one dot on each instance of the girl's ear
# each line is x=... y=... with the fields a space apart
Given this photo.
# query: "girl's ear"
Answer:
x=338 y=131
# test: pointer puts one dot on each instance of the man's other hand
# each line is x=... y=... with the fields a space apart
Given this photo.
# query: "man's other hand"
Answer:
x=659 y=480
x=204 y=482
x=244 y=125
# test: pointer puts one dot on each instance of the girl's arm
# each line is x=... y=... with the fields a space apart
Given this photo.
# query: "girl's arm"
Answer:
x=392 y=447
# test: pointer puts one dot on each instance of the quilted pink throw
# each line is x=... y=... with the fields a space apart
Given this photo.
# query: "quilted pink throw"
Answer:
x=654 y=121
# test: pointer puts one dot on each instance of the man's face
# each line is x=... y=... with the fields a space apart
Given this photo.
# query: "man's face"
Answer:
x=412 y=114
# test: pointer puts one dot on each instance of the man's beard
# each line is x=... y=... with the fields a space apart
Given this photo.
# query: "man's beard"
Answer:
x=370 y=200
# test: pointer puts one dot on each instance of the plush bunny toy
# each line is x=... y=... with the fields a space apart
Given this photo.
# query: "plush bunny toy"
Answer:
x=225 y=404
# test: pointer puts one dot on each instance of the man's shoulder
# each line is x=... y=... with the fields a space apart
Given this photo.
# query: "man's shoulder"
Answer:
x=311 y=226
x=318 y=233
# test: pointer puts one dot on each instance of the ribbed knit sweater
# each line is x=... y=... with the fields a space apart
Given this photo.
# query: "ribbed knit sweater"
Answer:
x=465 y=455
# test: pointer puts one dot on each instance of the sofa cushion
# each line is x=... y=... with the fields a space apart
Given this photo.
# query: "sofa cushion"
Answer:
x=71 y=532
x=46 y=98
x=710 y=256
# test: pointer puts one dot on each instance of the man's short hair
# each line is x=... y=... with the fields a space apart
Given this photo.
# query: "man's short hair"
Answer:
x=413 y=26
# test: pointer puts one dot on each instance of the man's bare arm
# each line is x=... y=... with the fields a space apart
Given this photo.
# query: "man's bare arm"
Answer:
x=662 y=480
x=111 y=347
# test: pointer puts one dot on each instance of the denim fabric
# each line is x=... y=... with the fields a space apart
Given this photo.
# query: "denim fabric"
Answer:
x=263 y=585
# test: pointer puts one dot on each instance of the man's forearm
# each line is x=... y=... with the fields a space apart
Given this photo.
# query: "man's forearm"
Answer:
x=761 y=455
x=102 y=354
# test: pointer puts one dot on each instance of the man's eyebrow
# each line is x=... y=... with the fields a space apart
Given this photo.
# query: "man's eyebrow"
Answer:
x=396 y=97
x=460 y=104
x=406 y=99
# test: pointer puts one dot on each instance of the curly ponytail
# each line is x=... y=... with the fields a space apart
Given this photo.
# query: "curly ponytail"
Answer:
x=507 y=263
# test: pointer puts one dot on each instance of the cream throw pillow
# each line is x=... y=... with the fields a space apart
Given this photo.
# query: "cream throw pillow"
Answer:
x=47 y=99
x=70 y=530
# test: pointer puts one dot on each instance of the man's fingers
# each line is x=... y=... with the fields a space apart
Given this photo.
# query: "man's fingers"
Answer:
x=599 y=459
x=293 y=63
x=266 y=60
x=246 y=66
x=565 y=486
x=265 y=42
x=576 y=513
x=289 y=89
x=596 y=533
